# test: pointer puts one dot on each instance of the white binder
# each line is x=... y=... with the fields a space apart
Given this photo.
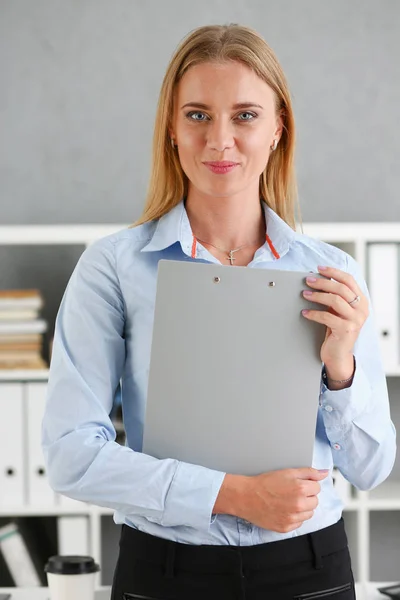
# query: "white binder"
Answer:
x=66 y=502
x=383 y=284
x=341 y=485
x=17 y=557
x=73 y=535
x=11 y=456
x=39 y=490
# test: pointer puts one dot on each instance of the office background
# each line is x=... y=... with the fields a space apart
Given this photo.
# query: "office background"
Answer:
x=79 y=82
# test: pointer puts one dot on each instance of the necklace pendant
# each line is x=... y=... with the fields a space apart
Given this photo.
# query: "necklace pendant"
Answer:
x=231 y=257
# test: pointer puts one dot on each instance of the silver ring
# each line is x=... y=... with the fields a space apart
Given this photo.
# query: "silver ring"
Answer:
x=356 y=299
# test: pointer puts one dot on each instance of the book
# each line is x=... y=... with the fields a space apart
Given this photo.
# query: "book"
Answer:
x=21 y=338
x=21 y=329
x=37 y=347
x=37 y=363
x=20 y=299
x=36 y=326
x=18 y=315
x=19 y=355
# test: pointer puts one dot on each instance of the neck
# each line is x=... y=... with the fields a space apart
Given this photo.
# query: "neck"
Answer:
x=226 y=222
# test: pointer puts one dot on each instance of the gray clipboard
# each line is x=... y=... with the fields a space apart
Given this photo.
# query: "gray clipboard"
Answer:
x=235 y=368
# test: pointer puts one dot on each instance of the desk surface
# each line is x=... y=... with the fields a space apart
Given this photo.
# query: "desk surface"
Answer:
x=43 y=593
x=368 y=593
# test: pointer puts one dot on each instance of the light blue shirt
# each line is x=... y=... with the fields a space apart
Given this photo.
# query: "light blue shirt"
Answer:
x=103 y=336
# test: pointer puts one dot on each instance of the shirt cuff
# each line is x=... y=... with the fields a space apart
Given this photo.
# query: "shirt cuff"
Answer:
x=191 y=497
x=341 y=407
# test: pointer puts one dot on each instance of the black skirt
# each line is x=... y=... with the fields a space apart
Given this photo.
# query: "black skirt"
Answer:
x=309 y=567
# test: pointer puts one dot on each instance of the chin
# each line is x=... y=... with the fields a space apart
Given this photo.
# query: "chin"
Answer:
x=218 y=193
x=223 y=189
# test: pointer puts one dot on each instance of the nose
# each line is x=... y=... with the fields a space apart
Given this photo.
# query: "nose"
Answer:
x=220 y=135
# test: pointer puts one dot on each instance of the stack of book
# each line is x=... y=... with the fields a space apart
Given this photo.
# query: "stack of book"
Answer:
x=21 y=330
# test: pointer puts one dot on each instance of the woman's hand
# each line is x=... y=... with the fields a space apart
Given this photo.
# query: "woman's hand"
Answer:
x=278 y=500
x=343 y=320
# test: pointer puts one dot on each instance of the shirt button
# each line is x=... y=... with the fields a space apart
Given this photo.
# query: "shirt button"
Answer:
x=328 y=408
x=337 y=446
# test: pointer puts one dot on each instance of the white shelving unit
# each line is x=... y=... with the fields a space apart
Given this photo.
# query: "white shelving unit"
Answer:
x=351 y=237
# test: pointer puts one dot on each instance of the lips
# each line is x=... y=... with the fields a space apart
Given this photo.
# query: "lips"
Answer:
x=221 y=167
x=220 y=164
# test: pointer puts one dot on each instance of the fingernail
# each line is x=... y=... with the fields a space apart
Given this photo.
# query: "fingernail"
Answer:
x=322 y=268
x=311 y=279
x=323 y=470
x=307 y=293
x=305 y=311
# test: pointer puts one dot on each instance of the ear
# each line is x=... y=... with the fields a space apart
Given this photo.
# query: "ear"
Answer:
x=279 y=126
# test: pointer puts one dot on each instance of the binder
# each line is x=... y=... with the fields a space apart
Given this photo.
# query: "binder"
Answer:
x=66 y=502
x=39 y=490
x=39 y=534
x=12 y=478
x=17 y=557
x=73 y=535
x=383 y=284
x=341 y=485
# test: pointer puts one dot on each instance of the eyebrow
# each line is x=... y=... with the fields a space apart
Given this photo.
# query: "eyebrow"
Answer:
x=235 y=106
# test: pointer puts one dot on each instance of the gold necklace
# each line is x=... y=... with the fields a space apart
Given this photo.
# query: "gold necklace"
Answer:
x=230 y=253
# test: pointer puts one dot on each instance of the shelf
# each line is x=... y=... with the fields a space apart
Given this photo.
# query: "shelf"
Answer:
x=24 y=374
x=83 y=234
x=385 y=497
x=42 y=593
x=34 y=511
x=352 y=504
x=368 y=591
x=55 y=234
x=364 y=512
x=352 y=232
x=395 y=372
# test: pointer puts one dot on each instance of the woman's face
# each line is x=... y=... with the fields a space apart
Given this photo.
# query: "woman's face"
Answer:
x=224 y=113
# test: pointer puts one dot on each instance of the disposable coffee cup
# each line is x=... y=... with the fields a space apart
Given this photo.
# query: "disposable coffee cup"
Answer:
x=71 y=577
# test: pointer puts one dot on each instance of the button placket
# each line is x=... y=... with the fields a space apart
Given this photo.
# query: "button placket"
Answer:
x=245 y=529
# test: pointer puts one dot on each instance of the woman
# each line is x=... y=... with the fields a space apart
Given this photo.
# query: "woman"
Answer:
x=222 y=190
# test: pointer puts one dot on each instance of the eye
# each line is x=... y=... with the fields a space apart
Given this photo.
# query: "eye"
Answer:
x=248 y=116
x=193 y=114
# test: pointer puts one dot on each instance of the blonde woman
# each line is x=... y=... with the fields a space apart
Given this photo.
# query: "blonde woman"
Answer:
x=222 y=190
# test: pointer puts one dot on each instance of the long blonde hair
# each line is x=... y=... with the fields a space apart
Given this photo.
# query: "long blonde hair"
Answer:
x=218 y=43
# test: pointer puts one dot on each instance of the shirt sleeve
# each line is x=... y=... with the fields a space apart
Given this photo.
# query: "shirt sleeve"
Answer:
x=82 y=457
x=357 y=419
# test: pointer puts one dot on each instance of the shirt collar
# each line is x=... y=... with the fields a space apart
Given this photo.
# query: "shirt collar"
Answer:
x=175 y=227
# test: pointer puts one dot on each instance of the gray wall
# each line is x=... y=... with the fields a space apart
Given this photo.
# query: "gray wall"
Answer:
x=80 y=78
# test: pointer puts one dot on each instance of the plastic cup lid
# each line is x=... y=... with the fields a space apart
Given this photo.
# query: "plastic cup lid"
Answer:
x=71 y=565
